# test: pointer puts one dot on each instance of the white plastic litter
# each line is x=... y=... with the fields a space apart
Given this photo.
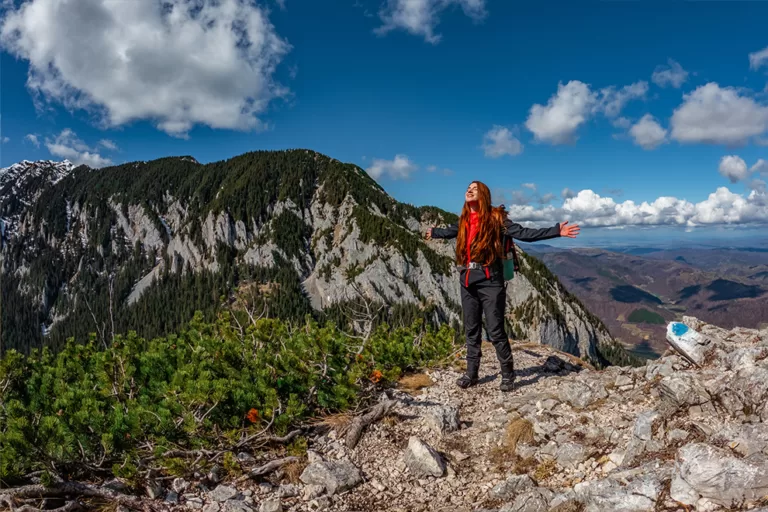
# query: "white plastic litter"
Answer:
x=689 y=343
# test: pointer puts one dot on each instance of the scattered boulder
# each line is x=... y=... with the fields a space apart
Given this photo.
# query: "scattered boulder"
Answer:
x=532 y=500
x=569 y=455
x=272 y=505
x=639 y=495
x=333 y=476
x=580 y=394
x=444 y=419
x=422 y=460
x=712 y=473
x=513 y=485
x=223 y=493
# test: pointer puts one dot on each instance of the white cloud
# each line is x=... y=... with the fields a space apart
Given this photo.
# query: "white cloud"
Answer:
x=431 y=168
x=529 y=186
x=621 y=122
x=588 y=208
x=421 y=17
x=177 y=64
x=108 y=144
x=574 y=104
x=31 y=137
x=434 y=168
x=612 y=101
x=557 y=121
x=734 y=168
x=758 y=59
x=718 y=115
x=672 y=74
x=548 y=198
x=760 y=167
x=67 y=145
x=399 y=168
x=6 y=140
x=499 y=141
x=648 y=133
x=758 y=185
x=567 y=193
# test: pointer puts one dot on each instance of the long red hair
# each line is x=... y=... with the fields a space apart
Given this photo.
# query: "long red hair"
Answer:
x=487 y=244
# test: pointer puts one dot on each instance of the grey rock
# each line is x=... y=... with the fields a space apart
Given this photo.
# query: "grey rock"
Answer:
x=444 y=419
x=579 y=394
x=333 y=476
x=223 y=493
x=507 y=489
x=287 y=491
x=172 y=497
x=271 y=506
x=677 y=434
x=312 y=491
x=645 y=424
x=569 y=455
x=321 y=503
x=422 y=460
x=635 y=448
x=532 y=500
x=193 y=502
x=179 y=485
x=214 y=475
x=154 y=490
x=236 y=506
x=720 y=477
x=682 y=390
x=246 y=458
x=747 y=439
x=638 y=495
x=212 y=507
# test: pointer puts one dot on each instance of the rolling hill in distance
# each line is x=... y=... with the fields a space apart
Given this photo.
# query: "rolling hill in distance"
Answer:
x=637 y=290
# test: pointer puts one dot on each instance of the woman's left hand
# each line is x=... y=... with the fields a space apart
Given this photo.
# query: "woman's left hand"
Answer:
x=569 y=231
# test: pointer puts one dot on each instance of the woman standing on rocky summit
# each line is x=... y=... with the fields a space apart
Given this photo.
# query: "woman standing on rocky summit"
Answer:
x=479 y=254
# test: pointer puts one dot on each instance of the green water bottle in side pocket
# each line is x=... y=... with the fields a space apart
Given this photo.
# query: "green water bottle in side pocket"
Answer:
x=510 y=258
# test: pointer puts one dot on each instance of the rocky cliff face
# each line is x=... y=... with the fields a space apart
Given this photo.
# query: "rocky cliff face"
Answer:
x=85 y=247
x=668 y=436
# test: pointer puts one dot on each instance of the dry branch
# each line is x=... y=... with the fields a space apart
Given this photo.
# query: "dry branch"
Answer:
x=355 y=430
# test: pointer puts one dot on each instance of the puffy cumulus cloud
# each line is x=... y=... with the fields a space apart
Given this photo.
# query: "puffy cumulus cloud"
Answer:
x=760 y=167
x=421 y=17
x=734 y=168
x=612 y=100
x=434 y=168
x=33 y=139
x=588 y=208
x=500 y=141
x=758 y=59
x=68 y=145
x=648 y=133
x=672 y=75
x=567 y=193
x=718 y=115
x=177 y=62
x=398 y=169
x=557 y=121
x=574 y=104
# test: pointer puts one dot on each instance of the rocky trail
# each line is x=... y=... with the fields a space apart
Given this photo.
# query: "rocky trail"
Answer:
x=667 y=436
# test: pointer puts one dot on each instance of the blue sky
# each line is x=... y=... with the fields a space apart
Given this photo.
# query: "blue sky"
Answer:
x=428 y=80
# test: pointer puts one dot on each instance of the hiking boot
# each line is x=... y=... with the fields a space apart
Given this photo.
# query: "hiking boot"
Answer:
x=507 y=385
x=465 y=381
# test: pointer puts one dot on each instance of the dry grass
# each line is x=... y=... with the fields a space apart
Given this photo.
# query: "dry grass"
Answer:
x=415 y=383
x=544 y=470
x=518 y=431
x=523 y=466
x=293 y=471
x=390 y=420
x=338 y=422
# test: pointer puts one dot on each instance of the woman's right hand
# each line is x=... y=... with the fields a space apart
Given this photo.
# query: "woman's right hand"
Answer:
x=428 y=234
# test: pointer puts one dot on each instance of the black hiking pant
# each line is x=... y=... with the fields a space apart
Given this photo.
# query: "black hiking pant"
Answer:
x=477 y=300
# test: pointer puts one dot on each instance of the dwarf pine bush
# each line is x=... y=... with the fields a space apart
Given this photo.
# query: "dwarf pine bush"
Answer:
x=205 y=387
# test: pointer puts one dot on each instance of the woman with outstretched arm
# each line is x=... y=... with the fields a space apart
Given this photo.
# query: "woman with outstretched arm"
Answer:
x=479 y=253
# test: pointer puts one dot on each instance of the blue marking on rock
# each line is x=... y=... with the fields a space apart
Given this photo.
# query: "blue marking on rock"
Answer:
x=678 y=329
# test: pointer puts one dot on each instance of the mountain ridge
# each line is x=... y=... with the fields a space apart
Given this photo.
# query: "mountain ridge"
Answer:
x=112 y=249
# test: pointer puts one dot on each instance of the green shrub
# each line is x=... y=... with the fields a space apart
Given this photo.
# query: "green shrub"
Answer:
x=197 y=389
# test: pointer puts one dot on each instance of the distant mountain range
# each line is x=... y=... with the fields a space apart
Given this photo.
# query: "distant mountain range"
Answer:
x=144 y=245
x=637 y=290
